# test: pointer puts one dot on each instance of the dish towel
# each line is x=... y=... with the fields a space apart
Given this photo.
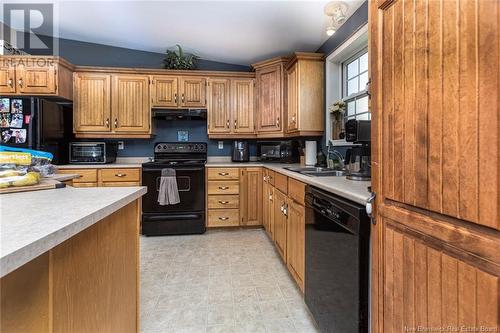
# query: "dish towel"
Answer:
x=168 y=193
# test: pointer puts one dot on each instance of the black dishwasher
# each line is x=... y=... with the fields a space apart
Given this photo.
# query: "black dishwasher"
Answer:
x=337 y=262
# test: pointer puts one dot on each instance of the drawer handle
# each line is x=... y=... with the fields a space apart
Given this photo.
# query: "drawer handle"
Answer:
x=223 y=218
x=223 y=187
x=120 y=174
x=223 y=173
x=223 y=202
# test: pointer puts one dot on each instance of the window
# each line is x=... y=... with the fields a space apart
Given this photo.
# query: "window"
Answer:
x=354 y=94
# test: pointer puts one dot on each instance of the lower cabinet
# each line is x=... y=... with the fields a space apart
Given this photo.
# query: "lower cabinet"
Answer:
x=106 y=177
x=295 y=245
x=251 y=192
x=280 y=222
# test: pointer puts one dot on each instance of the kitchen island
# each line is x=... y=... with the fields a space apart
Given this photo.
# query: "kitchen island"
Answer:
x=69 y=260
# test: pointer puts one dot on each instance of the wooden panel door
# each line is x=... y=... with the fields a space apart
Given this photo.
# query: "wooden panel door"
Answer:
x=130 y=103
x=293 y=97
x=280 y=223
x=219 y=112
x=193 y=92
x=7 y=79
x=265 y=204
x=295 y=241
x=34 y=79
x=92 y=102
x=269 y=99
x=242 y=96
x=164 y=91
x=435 y=155
x=251 y=196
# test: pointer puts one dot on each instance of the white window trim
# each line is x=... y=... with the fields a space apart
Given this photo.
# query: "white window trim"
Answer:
x=353 y=45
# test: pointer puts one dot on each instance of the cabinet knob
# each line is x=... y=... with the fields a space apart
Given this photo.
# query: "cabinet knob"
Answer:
x=10 y=82
x=120 y=174
x=116 y=123
x=235 y=123
x=227 y=123
x=182 y=97
x=294 y=120
x=223 y=202
x=20 y=82
x=223 y=173
x=223 y=218
x=223 y=187
x=107 y=122
x=175 y=98
x=278 y=121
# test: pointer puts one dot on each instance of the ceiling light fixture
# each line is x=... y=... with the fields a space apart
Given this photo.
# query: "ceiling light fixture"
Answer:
x=337 y=12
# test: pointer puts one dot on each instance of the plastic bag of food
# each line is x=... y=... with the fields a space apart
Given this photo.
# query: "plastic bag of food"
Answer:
x=30 y=178
x=26 y=159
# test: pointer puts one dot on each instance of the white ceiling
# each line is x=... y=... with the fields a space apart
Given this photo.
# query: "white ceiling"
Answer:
x=238 y=32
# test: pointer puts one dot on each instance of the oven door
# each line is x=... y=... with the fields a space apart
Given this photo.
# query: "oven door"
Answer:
x=191 y=185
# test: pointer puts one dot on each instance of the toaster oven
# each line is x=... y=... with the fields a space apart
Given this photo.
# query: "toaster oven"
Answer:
x=92 y=152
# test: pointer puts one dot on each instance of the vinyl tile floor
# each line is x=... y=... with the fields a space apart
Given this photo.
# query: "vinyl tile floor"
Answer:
x=221 y=281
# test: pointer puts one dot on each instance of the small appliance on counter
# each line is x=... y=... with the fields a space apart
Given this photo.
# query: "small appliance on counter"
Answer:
x=278 y=151
x=240 y=151
x=358 y=158
x=92 y=152
x=39 y=124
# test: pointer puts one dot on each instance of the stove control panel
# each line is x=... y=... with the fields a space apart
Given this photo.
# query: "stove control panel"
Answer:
x=180 y=147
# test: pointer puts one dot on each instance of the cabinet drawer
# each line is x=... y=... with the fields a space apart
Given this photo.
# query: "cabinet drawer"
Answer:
x=83 y=184
x=296 y=190
x=223 y=201
x=86 y=175
x=281 y=182
x=223 y=173
x=120 y=175
x=223 y=217
x=120 y=184
x=227 y=187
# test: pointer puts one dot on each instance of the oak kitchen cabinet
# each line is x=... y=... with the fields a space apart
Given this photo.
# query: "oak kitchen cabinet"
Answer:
x=230 y=108
x=112 y=177
x=306 y=94
x=280 y=222
x=271 y=97
x=111 y=105
x=36 y=76
x=295 y=240
x=435 y=155
x=251 y=194
x=178 y=91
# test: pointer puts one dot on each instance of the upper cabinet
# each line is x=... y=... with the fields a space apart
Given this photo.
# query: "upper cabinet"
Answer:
x=306 y=94
x=193 y=92
x=111 y=105
x=271 y=97
x=231 y=108
x=178 y=92
x=36 y=76
x=164 y=91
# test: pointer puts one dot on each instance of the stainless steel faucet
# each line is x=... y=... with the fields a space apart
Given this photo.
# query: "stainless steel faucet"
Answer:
x=341 y=158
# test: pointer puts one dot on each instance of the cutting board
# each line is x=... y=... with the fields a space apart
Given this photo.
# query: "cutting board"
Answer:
x=45 y=184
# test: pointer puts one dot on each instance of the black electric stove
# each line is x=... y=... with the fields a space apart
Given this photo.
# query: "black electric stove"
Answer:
x=187 y=217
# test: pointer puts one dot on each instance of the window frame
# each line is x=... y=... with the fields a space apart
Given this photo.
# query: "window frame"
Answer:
x=360 y=93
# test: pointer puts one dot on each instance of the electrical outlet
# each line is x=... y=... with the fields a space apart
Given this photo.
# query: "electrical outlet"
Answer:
x=221 y=144
x=121 y=145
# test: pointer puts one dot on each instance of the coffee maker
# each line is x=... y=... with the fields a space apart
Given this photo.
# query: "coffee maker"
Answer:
x=358 y=158
x=240 y=151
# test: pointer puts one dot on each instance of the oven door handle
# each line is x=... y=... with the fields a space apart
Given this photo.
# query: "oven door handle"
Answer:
x=172 y=217
x=176 y=168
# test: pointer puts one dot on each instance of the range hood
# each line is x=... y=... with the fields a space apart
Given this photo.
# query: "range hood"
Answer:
x=171 y=114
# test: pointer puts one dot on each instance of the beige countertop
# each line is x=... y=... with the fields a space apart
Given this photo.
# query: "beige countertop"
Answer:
x=354 y=190
x=34 y=222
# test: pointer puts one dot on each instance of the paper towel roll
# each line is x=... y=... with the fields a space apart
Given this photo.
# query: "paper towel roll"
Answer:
x=311 y=153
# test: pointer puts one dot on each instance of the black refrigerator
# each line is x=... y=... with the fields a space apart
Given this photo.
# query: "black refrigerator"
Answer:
x=37 y=123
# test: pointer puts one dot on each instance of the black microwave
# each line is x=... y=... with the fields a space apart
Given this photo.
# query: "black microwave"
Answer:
x=278 y=151
x=92 y=152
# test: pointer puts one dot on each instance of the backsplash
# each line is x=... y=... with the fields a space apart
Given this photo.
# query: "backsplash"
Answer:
x=166 y=130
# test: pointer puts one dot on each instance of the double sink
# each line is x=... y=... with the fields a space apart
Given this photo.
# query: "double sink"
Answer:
x=317 y=171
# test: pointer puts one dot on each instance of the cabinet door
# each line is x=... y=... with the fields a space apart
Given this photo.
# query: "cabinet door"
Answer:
x=219 y=117
x=293 y=97
x=92 y=102
x=280 y=223
x=435 y=157
x=7 y=79
x=295 y=244
x=242 y=97
x=130 y=103
x=265 y=205
x=164 y=91
x=35 y=79
x=269 y=99
x=251 y=196
x=193 y=92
